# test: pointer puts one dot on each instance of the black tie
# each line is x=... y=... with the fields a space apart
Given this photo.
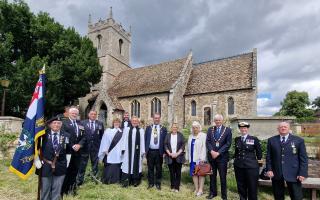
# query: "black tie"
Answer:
x=243 y=139
x=55 y=141
x=283 y=140
x=92 y=127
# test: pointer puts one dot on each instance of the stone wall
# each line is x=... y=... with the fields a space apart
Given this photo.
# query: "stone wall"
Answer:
x=10 y=124
x=262 y=127
x=218 y=102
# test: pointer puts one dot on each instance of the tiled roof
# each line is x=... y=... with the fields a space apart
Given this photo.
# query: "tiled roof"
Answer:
x=232 y=73
x=147 y=80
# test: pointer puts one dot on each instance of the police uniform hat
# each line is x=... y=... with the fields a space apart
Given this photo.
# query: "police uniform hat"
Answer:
x=55 y=118
x=243 y=124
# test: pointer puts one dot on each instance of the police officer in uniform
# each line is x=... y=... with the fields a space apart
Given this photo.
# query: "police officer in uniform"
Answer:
x=246 y=167
x=77 y=141
x=93 y=132
x=52 y=162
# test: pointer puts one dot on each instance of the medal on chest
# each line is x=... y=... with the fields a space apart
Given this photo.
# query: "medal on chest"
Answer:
x=249 y=142
x=294 y=149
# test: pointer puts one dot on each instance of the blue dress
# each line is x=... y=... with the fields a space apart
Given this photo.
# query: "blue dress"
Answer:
x=192 y=163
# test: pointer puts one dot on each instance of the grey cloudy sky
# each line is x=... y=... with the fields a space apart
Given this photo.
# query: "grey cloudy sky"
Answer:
x=286 y=33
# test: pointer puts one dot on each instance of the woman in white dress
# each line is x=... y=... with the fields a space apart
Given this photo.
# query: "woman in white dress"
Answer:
x=110 y=153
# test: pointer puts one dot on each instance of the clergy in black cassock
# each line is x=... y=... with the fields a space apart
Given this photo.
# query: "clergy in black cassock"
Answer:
x=133 y=151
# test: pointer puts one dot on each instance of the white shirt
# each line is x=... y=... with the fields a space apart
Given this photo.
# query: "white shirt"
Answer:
x=173 y=142
x=52 y=136
x=285 y=137
x=244 y=137
x=152 y=144
x=114 y=155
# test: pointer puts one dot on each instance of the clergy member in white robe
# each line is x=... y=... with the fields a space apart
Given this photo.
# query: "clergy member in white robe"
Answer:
x=110 y=153
x=133 y=151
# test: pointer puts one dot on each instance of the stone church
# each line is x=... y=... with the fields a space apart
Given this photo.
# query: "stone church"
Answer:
x=181 y=90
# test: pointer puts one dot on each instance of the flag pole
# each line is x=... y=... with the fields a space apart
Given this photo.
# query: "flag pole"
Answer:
x=42 y=71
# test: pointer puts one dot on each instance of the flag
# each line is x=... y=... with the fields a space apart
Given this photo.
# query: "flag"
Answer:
x=33 y=128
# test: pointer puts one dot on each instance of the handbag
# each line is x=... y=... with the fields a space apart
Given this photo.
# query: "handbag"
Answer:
x=202 y=169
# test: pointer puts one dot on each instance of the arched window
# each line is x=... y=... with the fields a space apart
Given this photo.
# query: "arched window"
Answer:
x=230 y=106
x=99 y=37
x=207 y=116
x=135 y=108
x=193 y=108
x=155 y=106
x=120 y=46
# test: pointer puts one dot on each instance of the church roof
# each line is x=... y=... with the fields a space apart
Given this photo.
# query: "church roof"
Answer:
x=151 y=79
x=232 y=73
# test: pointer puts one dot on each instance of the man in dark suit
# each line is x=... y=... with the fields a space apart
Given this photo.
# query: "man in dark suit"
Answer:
x=52 y=161
x=219 y=139
x=246 y=167
x=126 y=122
x=154 y=147
x=93 y=130
x=286 y=161
x=77 y=140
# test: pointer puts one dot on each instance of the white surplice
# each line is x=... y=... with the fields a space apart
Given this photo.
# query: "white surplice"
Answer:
x=125 y=147
x=114 y=155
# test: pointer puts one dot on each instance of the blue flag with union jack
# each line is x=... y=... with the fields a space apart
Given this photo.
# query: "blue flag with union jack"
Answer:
x=33 y=128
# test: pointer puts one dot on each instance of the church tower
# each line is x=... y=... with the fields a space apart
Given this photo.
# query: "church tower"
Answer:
x=113 y=45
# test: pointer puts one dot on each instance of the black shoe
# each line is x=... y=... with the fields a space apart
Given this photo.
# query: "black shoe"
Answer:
x=211 y=196
x=158 y=187
x=150 y=186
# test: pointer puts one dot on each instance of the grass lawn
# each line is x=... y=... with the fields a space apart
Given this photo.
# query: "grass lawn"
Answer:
x=11 y=187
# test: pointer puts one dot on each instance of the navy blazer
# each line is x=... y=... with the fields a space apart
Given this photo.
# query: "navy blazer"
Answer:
x=93 y=140
x=180 y=145
x=48 y=153
x=287 y=161
x=224 y=144
x=147 y=137
x=74 y=139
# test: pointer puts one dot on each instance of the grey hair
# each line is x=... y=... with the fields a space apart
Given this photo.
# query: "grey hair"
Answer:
x=281 y=123
x=196 y=124
x=74 y=109
x=218 y=116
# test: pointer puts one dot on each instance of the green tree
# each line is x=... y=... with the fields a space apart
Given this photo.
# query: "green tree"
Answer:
x=27 y=42
x=296 y=104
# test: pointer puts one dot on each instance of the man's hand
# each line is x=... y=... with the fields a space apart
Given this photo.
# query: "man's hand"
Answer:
x=270 y=174
x=300 y=178
x=214 y=154
x=173 y=155
x=76 y=147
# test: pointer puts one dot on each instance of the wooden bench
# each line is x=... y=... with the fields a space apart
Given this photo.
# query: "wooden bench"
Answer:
x=310 y=183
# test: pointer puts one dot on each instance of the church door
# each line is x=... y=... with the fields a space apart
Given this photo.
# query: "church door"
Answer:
x=103 y=113
x=207 y=116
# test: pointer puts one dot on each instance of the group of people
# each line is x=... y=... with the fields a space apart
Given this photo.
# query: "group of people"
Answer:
x=122 y=148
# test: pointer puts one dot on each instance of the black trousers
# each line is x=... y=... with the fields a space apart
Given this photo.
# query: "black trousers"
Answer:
x=221 y=167
x=83 y=165
x=247 y=182
x=69 y=183
x=154 y=162
x=294 y=188
x=175 y=174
